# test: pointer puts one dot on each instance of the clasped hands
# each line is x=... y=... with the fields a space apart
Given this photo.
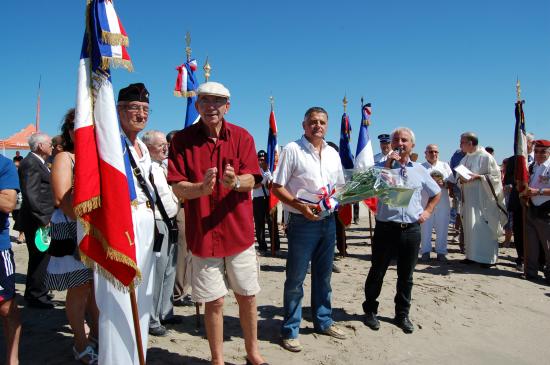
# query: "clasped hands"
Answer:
x=228 y=179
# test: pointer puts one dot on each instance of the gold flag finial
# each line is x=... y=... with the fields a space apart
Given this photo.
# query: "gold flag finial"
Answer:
x=345 y=102
x=207 y=68
x=188 y=46
x=518 y=89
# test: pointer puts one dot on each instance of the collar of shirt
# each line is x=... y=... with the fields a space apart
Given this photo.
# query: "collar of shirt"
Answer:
x=307 y=144
x=40 y=158
x=225 y=131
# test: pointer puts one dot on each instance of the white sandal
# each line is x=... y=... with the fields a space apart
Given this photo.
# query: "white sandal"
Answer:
x=88 y=353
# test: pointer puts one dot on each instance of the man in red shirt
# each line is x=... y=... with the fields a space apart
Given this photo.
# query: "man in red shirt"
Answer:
x=212 y=168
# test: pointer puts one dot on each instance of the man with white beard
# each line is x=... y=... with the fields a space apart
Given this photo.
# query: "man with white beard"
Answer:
x=441 y=172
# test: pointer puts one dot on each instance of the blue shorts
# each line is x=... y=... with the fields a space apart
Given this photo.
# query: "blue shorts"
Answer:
x=7 y=275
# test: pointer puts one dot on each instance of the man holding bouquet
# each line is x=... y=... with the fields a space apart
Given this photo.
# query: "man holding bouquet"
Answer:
x=308 y=167
x=397 y=232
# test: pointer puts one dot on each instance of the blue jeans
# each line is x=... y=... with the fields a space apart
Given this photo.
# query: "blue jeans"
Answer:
x=308 y=241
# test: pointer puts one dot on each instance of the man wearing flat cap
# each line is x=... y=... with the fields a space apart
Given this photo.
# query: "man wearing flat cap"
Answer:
x=212 y=167
x=538 y=211
x=385 y=148
x=115 y=320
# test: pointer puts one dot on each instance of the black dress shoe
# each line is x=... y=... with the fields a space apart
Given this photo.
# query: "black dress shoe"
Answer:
x=404 y=323
x=467 y=262
x=159 y=331
x=172 y=320
x=371 y=321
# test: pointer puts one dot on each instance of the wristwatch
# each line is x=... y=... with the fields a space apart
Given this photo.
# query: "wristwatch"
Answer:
x=237 y=183
x=541 y=192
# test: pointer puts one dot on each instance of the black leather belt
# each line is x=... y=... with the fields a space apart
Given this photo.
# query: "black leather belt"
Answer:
x=398 y=225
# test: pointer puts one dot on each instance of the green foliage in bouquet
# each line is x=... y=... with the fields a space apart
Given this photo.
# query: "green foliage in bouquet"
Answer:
x=374 y=182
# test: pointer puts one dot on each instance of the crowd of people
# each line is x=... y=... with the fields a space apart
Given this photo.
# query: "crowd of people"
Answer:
x=203 y=201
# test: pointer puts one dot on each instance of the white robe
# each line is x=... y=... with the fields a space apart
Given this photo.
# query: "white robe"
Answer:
x=117 y=343
x=482 y=217
x=441 y=214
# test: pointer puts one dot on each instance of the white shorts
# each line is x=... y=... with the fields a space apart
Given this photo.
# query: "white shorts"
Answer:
x=210 y=276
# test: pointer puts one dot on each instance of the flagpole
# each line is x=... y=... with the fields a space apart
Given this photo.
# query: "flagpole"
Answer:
x=523 y=202
x=37 y=121
x=370 y=212
x=273 y=213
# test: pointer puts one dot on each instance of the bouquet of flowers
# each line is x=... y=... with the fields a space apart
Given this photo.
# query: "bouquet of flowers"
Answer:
x=385 y=184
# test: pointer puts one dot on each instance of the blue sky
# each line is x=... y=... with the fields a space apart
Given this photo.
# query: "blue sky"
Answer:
x=438 y=67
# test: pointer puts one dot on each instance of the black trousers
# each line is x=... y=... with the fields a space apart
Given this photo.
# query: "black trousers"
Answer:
x=35 y=288
x=391 y=240
x=261 y=217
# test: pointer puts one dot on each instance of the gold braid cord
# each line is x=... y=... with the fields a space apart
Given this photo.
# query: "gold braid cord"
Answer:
x=107 y=62
x=111 y=255
x=114 y=39
x=185 y=94
x=87 y=206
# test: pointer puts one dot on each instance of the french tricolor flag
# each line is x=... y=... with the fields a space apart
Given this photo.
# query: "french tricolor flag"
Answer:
x=364 y=157
x=102 y=193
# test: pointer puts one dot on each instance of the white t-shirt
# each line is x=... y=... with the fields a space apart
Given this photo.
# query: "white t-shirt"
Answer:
x=540 y=180
x=302 y=167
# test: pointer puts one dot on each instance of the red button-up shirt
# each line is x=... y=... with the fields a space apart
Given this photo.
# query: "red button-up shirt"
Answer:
x=220 y=224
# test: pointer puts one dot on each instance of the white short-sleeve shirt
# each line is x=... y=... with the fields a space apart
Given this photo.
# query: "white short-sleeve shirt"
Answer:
x=302 y=167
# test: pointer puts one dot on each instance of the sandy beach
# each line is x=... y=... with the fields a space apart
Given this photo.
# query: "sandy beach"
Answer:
x=463 y=314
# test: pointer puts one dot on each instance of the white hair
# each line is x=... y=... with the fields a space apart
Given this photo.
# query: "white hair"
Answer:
x=530 y=136
x=149 y=136
x=403 y=129
x=35 y=139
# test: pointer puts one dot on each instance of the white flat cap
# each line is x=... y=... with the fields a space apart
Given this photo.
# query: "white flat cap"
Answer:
x=213 y=88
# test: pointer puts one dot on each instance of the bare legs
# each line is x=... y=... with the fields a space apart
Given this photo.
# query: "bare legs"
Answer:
x=12 y=330
x=213 y=319
x=79 y=301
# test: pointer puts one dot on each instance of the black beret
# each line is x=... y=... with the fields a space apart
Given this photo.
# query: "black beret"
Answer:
x=262 y=153
x=134 y=92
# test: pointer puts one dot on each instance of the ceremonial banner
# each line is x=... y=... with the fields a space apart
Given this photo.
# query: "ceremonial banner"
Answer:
x=345 y=213
x=272 y=154
x=364 y=156
x=102 y=197
x=186 y=87
x=520 y=149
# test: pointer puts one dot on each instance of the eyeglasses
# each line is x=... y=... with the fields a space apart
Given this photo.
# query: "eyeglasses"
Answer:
x=137 y=108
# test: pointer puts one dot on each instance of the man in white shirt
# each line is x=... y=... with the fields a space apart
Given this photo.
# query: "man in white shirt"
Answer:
x=162 y=311
x=385 y=148
x=308 y=170
x=441 y=172
x=538 y=211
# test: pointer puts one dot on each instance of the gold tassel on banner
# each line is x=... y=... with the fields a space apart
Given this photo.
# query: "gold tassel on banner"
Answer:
x=87 y=206
x=114 y=39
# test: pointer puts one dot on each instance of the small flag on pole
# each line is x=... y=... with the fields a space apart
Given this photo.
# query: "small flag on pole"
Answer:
x=364 y=157
x=520 y=149
x=345 y=150
x=272 y=152
x=102 y=186
x=186 y=87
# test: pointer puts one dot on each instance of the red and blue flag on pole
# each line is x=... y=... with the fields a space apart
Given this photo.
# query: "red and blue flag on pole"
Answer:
x=272 y=153
x=103 y=188
x=345 y=150
x=186 y=87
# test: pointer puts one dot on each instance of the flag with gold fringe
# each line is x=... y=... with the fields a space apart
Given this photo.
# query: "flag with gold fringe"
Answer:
x=186 y=87
x=103 y=190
